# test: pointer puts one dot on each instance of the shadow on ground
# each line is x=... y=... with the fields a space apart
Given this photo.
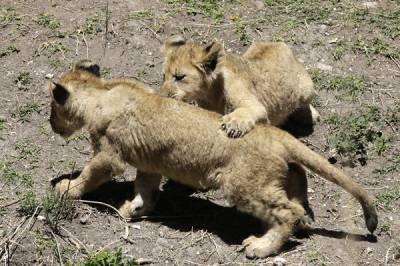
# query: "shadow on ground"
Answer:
x=178 y=209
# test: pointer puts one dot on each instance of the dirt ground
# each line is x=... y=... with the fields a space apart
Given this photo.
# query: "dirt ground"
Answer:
x=350 y=47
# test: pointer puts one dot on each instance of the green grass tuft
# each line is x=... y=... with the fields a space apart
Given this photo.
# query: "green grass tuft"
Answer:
x=107 y=258
x=388 y=198
x=8 y=50
x=350 y=86
x=48 y=21
x=353 y=133
x=24 y=111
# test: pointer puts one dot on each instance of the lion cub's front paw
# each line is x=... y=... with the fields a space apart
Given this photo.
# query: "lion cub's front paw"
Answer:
x=68 y=188
x=135 y=208
x=237 y=126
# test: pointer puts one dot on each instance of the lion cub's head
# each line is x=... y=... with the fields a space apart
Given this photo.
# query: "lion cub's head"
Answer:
x=189 y=69
x=63 y=118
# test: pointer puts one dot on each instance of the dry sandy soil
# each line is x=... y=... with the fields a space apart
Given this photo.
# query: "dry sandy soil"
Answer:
x=350 y=47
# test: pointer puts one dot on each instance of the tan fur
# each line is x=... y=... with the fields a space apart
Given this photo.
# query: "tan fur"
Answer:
x=266 y=84
x=261 y=174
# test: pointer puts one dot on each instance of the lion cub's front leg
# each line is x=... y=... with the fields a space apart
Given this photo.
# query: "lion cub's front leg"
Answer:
x=99 y=170
x=243 y=119
x=146 y=192
x=247 y=109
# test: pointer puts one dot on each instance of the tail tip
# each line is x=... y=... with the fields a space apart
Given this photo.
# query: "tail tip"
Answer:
x=371 y=220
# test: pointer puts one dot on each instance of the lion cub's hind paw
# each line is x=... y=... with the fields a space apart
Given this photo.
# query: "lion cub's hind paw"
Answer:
x=261 y=247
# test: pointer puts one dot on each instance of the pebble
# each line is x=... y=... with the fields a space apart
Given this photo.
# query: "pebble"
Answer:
x=41 y=218
x=279 y=261
x=370 y=4
x=323 y=66
x=49 y=76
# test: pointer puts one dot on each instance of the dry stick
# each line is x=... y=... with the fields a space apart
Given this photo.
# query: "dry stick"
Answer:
x=106 y=205
x=75 y=239
x=395 y=61
x=87 y=46
x=31 y=222
x=106 y=31
x=387 y=255
x=11 y=203
x=58 y=248
x=7 y=239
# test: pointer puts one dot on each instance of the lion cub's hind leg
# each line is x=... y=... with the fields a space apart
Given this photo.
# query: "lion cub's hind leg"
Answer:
x=270 y=204
x=146 y=193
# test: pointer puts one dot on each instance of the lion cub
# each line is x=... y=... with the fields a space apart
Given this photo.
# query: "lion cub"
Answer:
x=261 y=174
x=266 y=84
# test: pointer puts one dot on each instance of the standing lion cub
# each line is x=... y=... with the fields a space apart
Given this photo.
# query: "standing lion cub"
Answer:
x=266 y=84
x=261 y=174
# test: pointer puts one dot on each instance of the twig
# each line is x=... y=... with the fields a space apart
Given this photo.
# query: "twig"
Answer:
x=216 y=247
x=395 y=62
x=106 y=205
x=106 y=31
x=11 y=203
x=387 y=255
x=31 y=222
x=7 y=239
x=80 y=244
x=58 y=248
x=87 y=46
x=77 y=45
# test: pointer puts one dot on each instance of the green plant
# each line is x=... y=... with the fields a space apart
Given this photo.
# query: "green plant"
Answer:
x=92 y=25
x=8 y=15
x=24 y=111
x=48 y=21
x=28 y=204
x=350 y=86
x=388 y=198
x=393 y=165
x=27 y=150
x=240 y=30
x=141 y=14
x=56 y=63
x=7 y=174
x=351 y=134
x=107 y=258
x=23 y=80
x=8 y=50
x=57 y=208
x=388 y=21
x=213 y=9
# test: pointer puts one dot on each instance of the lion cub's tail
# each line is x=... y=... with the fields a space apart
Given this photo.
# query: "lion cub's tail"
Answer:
x=305 y=156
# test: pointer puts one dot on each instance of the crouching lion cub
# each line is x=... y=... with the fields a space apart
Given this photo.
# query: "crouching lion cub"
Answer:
x=266 y=84
x=261 y=174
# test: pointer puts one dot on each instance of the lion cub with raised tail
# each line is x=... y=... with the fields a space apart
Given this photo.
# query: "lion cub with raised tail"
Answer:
x=265 y=84
x=261 y=174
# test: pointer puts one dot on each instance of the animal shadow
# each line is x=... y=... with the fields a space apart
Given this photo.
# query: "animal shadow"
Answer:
x=179 y=209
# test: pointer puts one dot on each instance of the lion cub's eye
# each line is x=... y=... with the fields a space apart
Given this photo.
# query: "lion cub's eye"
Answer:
x=179 y=77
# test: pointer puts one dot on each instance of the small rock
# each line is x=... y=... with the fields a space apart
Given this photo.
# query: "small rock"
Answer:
x=368 y=250
x=323 y=67
x=135 y=226
x=49 y=76
x=310 y=190
x=258 y=4
x=41 y=218
x=279 y=261
x=370 y=4
x=84 y=219
x=143 y=261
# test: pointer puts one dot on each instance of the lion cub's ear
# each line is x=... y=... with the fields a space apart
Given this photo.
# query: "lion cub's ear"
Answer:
x=172 y=43
x=59 y=93
x=89 y=66
x=212 y=53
